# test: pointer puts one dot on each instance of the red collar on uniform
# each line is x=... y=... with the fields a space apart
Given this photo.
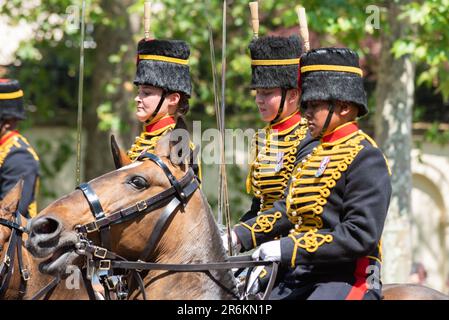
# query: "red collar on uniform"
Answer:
x=341 y=132
x=160 y=124
x=7 y=136
x=293 y=120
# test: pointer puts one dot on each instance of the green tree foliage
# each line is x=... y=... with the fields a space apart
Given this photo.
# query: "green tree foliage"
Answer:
x=334 y=22
x=49 y=60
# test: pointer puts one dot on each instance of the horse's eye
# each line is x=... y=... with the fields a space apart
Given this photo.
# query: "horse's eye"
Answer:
x=138 y=182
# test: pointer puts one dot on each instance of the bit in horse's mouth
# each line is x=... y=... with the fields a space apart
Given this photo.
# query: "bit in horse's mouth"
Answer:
x=61 y=258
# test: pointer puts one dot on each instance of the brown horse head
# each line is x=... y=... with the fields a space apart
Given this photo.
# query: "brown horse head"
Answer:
x=191 y=236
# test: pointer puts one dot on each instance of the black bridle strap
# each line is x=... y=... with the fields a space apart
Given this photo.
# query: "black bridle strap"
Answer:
x=12 y=225
x=47 y=290
x=164 y=220
x=238 y=262
x=92 y=199
x=331 y=109
x=88 y=285
x=173 y=181
x=192 y=267
x=142 y=207
x=97 y=211
x=281 y=106
x=24 y=273
x=159 y=105
x=7 y=267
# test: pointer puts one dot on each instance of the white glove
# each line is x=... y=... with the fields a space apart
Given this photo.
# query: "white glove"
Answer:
x=268 y=251
x=236 y=246
x=253 y=286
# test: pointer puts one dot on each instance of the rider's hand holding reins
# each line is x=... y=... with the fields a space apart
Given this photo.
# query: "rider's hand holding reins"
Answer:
x=268 y=251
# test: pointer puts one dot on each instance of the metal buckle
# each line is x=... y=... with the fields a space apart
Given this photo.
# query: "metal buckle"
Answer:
x=140 y=270
x=7 y=261
x=89 y=229
x=141 y=205
x=104 y=265
x=100 y=252
x=25 y=274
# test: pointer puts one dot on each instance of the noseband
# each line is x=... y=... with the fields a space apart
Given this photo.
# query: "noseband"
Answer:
x=15 y=246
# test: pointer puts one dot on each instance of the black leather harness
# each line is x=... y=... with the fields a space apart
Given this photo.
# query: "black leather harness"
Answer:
x=14 y=246
x=173 y=198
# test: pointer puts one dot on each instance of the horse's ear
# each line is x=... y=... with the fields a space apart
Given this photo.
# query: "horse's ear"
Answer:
x=11 y=201
x=119 y=156
x=175 y=145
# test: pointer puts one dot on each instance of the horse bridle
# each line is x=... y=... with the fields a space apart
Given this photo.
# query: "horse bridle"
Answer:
x=172 y=198
x=178 y=194
x=14 y=247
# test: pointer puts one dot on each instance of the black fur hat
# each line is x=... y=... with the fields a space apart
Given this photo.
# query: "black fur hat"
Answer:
x=164 y=64
x=11 y=100
x=333 y=74
x=275 y=62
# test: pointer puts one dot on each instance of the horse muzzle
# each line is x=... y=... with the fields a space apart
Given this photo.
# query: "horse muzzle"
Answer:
x=44 y=237
x=47 y=238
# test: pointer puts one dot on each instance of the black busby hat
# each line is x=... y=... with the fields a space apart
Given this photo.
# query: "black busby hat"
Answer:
x=11 y=100
x=333 y=74
x=275 y=62
x=164 y=64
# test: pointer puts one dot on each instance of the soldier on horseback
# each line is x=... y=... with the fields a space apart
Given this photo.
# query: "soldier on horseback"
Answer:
x=164 y=89
x=18 y=160
x=284 y=141
x=276 y=147
x=326 y=232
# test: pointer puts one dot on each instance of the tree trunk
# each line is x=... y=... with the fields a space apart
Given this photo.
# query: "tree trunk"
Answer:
x=114 y=38
x=393 y=125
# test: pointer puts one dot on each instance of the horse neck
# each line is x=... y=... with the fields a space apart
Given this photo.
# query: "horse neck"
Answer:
x=192 y=237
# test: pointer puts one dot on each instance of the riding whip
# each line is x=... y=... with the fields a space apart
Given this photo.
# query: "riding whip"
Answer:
x=217 y=104
x=225 y=198
x=80 y=97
